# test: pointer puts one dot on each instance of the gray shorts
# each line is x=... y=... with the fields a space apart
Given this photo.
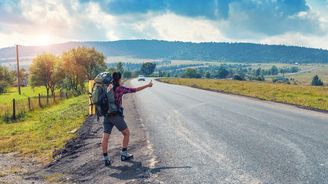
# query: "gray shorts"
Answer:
x=111 y=121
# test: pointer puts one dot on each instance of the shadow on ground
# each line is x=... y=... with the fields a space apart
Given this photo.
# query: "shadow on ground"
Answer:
x=122 y=172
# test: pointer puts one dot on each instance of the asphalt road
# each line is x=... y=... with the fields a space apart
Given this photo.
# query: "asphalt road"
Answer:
x=206 y=137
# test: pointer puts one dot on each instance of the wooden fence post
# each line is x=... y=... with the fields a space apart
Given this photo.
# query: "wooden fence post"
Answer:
x=29 y=103
x=47 y=99
x=14 y=109
x=66 y=95
x=39 y=100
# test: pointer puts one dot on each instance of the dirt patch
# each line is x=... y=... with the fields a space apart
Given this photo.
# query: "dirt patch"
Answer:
x=14 y=168
x=81 y=159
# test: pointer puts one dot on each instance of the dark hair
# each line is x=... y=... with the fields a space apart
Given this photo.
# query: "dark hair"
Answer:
x=116 y=78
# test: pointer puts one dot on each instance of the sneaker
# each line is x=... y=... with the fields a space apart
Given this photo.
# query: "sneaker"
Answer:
x=108 y=163
x=125 y=155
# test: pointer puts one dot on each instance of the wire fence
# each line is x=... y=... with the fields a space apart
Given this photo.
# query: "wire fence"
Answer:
x=18 y=108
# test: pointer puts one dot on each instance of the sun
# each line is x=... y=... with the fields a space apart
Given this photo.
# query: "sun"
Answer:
x=43 y=39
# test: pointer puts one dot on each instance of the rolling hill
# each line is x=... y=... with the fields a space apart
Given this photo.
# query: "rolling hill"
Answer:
x=208 y=51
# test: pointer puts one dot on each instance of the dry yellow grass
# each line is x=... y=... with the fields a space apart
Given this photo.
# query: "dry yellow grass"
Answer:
x=307 y=96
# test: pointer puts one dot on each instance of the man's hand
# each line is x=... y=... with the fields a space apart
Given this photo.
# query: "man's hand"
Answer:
x=150 y=84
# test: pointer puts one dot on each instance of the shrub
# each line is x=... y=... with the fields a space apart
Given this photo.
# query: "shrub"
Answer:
x=281 y=80
x=191 y=73
x=238 y=77
x=316 y=81
x=3 y=86
x=257 y=78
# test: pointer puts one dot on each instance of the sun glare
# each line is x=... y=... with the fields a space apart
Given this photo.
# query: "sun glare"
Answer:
x=43 y=39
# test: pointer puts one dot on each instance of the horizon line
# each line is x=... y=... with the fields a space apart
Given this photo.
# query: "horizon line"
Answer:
x=104 y=41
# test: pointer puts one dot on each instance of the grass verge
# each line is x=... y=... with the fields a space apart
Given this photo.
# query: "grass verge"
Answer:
x=306 y=96
x=44 y=130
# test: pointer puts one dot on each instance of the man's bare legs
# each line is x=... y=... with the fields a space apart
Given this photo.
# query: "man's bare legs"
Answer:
x=126 y=138
x=125 y=155
x=104 y=142
x=104 y=146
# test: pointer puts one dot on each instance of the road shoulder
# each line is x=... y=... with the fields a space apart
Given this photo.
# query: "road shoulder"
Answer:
x=81 y=159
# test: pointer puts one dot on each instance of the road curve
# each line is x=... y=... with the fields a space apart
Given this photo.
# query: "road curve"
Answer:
x=207 y=137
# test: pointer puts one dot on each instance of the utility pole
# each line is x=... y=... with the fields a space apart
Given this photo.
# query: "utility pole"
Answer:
x=18 y=79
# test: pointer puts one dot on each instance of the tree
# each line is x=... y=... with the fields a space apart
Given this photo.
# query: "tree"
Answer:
x=119 y=67
x=92 y=61
x=207 y=75
x=147 y=68
x=258 y=72
x=81 y=64
x=274 y=70
x=222 y=73
x=316 y=81
x=160 y=73
x=23 y=75
x=7 y=78
x=58 y=76
x=46 y=71
x=191 y=73
x=111 y=70
x=127 y=74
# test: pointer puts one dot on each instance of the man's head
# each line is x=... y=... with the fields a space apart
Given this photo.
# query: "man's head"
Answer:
x=117 y=78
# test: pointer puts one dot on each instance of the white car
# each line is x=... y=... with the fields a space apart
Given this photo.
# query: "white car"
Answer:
x=141 y=78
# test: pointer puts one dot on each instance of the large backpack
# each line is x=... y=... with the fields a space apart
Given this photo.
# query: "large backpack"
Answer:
x=100 y=100
x=103 y=100
x=112 y=106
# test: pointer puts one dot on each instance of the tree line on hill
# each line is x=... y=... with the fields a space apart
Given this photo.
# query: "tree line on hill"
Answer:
x=206 y=51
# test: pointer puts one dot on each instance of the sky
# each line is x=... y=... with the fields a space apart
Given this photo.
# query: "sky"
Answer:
x=41 y=22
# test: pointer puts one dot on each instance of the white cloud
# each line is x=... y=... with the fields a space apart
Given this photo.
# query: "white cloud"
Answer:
x=61 y=20
x=299 y=39
x=173 y=27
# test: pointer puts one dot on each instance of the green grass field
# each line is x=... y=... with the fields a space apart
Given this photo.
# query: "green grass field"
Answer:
x=306 y=77
x=307 y=96
x=27 y=91
x=44 y=130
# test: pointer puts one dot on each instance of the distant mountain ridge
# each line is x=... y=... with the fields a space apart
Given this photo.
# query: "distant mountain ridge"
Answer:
x=207 y=51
